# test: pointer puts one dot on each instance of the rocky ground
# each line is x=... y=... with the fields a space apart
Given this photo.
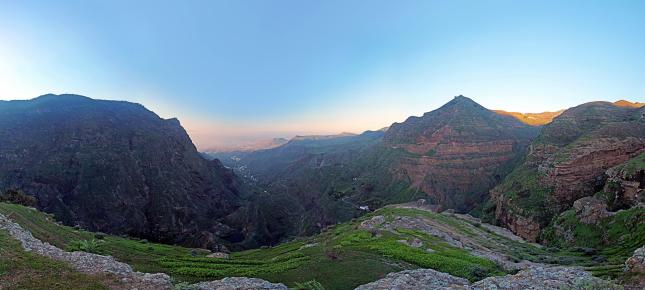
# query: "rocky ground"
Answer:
x=480 y=241
x=531 y=278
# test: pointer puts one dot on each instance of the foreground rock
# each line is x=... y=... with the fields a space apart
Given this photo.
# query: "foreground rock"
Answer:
x=532 y=278
x=635 y=267
x=417 y=279
x=636 y=263
x=238 y=283
x=546 y=278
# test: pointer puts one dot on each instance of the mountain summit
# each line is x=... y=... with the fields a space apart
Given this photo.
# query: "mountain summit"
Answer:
x=458 y=151
x=114 y=167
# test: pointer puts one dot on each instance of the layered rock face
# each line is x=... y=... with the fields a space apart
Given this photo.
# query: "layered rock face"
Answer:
x=451 y=156
x=459 y=151
x=115 y=167
x=625 y=186
x=568 y=161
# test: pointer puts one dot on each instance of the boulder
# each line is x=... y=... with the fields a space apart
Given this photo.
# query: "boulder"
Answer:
x=636 y=263
x=417 y=279
x=373 y=223
x=590 y=210
x=218 y=255
x=545 y=278
x=238 y=283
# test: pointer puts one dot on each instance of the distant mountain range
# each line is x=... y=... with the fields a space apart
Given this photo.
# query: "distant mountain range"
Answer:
x=248 y=146
x=117 y=167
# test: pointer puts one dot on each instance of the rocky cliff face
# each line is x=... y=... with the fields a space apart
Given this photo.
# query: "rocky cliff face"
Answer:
x=459 y=151
x=568 y=161
x=451 y=157
x=115 y=167
x=625 y=186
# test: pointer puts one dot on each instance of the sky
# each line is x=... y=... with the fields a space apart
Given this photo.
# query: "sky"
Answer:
x=238 y=71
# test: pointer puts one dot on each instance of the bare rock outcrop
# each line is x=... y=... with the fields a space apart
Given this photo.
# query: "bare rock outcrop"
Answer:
x=542 y=278
x=625 y=186
x=238 y=283
x=636 y=263
x=545 y=278
x=417 y=279
x=590 y=210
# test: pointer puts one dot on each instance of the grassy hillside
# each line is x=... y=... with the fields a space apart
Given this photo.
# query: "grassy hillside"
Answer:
x=612 y=240
x=24 y=270
x=368 y=253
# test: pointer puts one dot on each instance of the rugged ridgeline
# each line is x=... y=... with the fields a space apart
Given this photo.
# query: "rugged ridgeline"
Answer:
x=115 y=167
x=451 y=156
x=535 y=119
x=574 y=157
x=458 y=152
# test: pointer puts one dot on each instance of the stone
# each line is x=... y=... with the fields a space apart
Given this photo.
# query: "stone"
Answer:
x=538 y=278
x=218 y=255
x=238 y=283
x=373 y=223
x=421 y=279
x=533 y=278
x=636 y=263
x=590 y=210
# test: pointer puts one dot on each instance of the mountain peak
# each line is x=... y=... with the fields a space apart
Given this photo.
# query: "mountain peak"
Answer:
x=628 y=104
x=462 y=101
x=61 y=97
x=460 y=104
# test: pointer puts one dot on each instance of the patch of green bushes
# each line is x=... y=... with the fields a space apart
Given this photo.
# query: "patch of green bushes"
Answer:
x=90 y=246
x=18 y=197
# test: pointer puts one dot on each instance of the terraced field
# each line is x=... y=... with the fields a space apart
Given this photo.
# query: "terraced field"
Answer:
x=390 y=239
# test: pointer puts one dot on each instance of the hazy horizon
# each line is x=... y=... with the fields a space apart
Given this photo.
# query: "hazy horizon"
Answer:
x=236 y=72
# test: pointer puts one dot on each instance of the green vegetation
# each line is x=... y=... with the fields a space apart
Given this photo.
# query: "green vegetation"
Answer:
x=612 y=240
x=527 y=193
x=633 y=165
x=90 y=246
x=18 y=197
x=310 y=285
x=318 y=262
x=144 y=257
x=24 y=270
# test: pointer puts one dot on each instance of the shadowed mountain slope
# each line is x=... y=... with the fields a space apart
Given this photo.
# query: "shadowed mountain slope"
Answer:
x=115 y=167
x=451 y=156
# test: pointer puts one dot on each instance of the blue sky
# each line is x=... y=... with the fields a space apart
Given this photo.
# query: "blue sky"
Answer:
x=234 y=71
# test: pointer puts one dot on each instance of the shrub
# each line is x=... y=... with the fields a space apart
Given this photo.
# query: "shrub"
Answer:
x=90 y=246
x=310 y=285
x=183 y=286
x=18 y=197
